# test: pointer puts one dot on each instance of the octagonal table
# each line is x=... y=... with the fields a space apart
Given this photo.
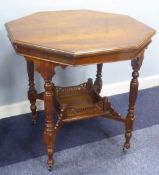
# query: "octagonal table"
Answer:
x=77 y=38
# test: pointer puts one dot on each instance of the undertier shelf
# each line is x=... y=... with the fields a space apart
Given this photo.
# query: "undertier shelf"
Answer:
x=79 y=102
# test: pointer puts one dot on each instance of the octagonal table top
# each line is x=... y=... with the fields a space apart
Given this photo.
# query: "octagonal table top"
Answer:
x=78 y=37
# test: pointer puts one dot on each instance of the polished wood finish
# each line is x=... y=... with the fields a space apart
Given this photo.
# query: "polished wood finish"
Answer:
x=129 y=120
x=49 y=132
x=82 y=37
x=32 y=93
x=80 y=102
x=98 y=82
x=79 y=37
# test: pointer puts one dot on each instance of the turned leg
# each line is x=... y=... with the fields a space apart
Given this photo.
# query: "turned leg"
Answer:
x=49 y=133
x=32 y=91
x=129 y=120
x=98 y=81
x=47 y=71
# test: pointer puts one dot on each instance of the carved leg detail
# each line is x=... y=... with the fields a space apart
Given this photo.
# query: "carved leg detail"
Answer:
x=47 y=71
x=98 y=82
x=59 y=123
x=32 y=91
x=49 y=133
x=128 y=127
x=129 y=120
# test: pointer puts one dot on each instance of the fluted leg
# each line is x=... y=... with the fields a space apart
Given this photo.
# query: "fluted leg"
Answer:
x=129 y=120
x=32 y=91
x=98 y=82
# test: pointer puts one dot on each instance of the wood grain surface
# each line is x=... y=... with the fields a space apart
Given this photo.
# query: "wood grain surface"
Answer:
x=66 y=36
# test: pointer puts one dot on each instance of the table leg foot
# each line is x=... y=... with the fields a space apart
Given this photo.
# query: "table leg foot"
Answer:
x=50 y=168
x=49 y=140
x=126 y=147
x=128 y=133
x=127 y=142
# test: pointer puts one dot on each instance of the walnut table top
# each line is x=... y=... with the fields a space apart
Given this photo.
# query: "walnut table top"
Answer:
x=78 y=37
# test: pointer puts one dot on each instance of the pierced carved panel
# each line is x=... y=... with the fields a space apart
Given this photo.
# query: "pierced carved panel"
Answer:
x=81 y=102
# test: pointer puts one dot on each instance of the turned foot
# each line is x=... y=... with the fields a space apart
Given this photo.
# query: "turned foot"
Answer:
x=126 y=146
x=127 y=142
x=128 y=134
x=50 y=165
x=50 y=168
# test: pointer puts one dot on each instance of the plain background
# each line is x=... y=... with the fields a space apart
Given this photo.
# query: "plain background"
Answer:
x=13 y=77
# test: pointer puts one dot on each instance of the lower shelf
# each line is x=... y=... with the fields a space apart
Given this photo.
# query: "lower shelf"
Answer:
x=79 y=102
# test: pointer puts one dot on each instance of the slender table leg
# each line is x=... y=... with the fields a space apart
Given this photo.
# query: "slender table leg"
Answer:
x=32 y=91
x=98 y=82
x=136 y=64
x=49 y=133
x=47 y=71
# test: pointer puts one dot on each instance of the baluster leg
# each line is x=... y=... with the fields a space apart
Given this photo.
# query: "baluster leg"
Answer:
x=32 y=91
x=47 y=71
x=129 y=120
x=98 y=82
x=49 y=133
